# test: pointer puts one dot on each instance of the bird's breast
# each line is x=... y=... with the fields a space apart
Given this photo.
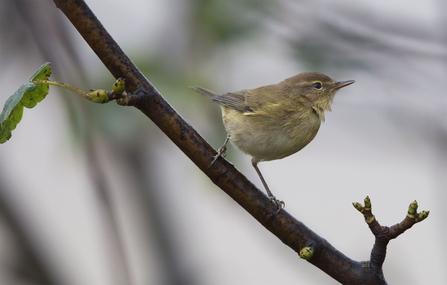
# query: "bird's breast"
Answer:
x=270 y=137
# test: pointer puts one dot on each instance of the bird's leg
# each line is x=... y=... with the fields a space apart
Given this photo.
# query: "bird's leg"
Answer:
x=280 y=204
x=221 y=152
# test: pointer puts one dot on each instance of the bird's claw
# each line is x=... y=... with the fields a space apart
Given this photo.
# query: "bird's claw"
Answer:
x=279 y=204
x=221 y=152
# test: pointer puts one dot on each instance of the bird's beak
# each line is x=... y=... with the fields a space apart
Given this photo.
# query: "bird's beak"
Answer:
x=341 y=84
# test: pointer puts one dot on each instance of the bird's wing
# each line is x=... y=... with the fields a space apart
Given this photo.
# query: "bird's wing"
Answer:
x=235 y=100
x=204 y=91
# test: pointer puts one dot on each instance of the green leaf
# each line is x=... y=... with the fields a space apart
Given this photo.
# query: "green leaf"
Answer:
x=28 y=95
x=30 y=99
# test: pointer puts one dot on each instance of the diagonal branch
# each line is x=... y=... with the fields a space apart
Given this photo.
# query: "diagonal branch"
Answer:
x=149 y=101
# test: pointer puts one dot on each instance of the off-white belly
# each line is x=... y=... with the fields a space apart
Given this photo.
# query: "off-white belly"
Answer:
x=270 y=138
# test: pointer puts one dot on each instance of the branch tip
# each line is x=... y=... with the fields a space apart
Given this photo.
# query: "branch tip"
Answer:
x=358 y=206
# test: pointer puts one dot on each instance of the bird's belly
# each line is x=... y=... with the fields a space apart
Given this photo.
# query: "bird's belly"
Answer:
x=266 y=140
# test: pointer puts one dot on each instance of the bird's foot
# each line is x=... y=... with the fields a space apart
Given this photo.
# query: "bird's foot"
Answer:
x=279 y=204
x=221 y=152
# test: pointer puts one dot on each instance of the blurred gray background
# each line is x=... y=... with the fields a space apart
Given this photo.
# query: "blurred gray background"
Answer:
x=96 y=194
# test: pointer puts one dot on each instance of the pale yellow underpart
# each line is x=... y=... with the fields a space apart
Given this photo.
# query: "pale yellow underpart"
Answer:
x=277 y=140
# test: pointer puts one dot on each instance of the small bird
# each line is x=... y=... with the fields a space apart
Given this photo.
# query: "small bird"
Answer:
x=278 y=120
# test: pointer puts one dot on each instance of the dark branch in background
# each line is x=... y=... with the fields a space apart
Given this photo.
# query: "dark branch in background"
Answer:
x=34 y=268
x=148 y=100
x=120 y=264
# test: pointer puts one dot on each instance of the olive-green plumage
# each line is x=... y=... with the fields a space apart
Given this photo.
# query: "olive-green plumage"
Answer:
x=275 y=121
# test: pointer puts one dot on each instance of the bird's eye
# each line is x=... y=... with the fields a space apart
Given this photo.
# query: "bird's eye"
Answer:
x=317 y=85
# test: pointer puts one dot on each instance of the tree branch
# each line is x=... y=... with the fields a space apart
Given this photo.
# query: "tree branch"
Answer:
x=149 y=101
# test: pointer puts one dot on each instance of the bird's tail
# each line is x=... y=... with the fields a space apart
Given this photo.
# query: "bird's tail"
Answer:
x=204 y=91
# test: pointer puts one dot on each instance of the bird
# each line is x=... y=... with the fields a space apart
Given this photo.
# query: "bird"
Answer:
x=275 y=121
